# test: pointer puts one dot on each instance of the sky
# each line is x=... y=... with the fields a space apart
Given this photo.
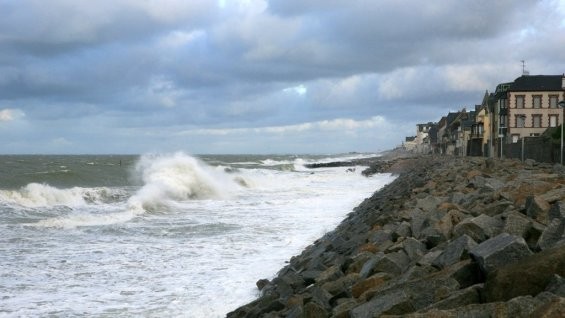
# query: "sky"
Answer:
x=256 y=76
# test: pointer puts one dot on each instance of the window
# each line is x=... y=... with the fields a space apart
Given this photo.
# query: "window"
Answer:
x=536 y=121
x=503 y=120
x=536 y=101
x=520 y=121
x=519 y=101
x=553 y=120
x=553 y=101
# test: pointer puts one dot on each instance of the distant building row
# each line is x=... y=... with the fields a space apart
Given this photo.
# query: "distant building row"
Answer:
x=523 y=108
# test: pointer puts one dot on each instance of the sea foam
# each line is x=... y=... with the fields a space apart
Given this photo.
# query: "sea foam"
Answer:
x=36 y=195
x=176 y=177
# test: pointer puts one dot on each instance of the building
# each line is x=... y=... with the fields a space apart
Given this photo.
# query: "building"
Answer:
x=532 y=106
x=409 y=143
x=423 y=140
x=447 y=134
x=499 y=108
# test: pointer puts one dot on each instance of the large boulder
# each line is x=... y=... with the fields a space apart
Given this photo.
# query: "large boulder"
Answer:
x=554 y=234
x=537 y=208
x=479 y=228
x=530 y=276
x=392 y=302
x=455 y=251
x=409 y=296
x=392 y=263
x=370 y=283
x=557 y=211
x=516 y=223
x=498 y=251
x=525 y=306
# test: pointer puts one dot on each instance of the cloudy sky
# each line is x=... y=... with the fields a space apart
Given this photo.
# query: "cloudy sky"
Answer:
x=256 y=76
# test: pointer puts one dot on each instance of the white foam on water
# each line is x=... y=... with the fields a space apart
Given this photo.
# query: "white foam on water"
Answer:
x=167 y=180
x=36 y=195
x=177 y=177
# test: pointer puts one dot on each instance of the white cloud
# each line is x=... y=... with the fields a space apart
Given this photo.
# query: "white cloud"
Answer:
x=468 y=78
x=336 y=125
x=9 y=114
x=300 y=89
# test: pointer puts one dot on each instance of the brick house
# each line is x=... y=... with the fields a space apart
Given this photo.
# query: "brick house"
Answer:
x=532 y=105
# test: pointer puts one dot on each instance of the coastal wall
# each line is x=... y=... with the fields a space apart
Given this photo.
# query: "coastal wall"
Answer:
x=451 y=236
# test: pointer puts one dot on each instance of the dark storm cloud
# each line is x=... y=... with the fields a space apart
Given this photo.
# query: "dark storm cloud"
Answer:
x=140 y=73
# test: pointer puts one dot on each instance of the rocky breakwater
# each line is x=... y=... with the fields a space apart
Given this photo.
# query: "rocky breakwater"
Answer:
x=450 y=237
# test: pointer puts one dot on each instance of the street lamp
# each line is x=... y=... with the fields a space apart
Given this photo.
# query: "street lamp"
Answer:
x=561 y=105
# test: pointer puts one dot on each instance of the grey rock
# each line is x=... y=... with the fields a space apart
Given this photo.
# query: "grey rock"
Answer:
x=321 y=297
x=382 y=239
x=554 y=195
x=394 y=302
x=529 y=276
x=463 y=297
x=342 y=309
x=429 y=257
x=479 y=228
x=455 y=251
x=500 y=250
x=418 y=223
x=537 y=208
x=458 y=198
x=557 y=211
x=342 y=285
x=414 y=248
x=295 y=312
x=497 y=207
x=393 y=263
x=403 y=230
x=330 y=274
x=309 y=277
x=556 y=285
x=517 y=224
x=429 y=203
x=552 y=235
x=314 y=310
x=262 y=283
x=416 y=272
x=489 y=163
x=530 y=162
x=524 y=306
x=480 y=182
x=433 y=236
x=356 y=263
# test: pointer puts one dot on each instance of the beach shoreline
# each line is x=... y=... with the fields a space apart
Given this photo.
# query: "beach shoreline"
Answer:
x=447 y=236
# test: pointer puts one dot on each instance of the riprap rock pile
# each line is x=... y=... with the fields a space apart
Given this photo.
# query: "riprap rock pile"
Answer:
x=450 y=237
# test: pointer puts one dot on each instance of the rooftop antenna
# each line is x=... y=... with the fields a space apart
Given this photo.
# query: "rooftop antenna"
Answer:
x=524 y=71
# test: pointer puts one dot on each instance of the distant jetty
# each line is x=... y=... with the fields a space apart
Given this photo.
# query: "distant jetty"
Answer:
x=450 y=237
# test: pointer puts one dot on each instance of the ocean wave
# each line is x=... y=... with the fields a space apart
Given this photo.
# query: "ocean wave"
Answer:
x=36 y=195
x=177 y=177
x=88 y=219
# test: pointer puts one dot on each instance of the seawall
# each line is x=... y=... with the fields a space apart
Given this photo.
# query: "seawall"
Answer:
x=451 y=236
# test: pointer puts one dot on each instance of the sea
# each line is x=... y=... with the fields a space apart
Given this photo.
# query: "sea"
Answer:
x=160 y=235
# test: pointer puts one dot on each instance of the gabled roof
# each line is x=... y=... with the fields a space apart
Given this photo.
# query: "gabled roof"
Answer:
x=529 y=83
x=451 y=117
x=500 y=91
x=469 y=120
